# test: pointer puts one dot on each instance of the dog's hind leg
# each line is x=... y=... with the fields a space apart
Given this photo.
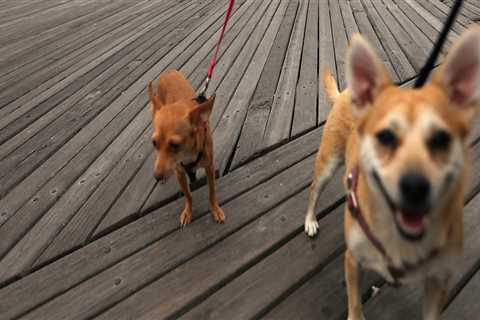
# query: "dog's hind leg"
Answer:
x=325 y=167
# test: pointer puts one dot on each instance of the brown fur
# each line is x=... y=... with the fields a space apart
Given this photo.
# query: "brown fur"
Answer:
x=181 y=133
x=359 y=113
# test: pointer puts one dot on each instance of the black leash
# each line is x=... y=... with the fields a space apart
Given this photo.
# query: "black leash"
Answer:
x=427 y=68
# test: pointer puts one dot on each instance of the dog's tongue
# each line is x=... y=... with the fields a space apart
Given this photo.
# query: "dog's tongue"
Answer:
x=412 y=221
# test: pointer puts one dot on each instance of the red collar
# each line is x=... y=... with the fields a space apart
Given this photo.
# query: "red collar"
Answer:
x=356 y=212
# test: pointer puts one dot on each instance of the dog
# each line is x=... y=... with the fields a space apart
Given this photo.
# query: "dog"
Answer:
x=406 y=154
x=182 y=138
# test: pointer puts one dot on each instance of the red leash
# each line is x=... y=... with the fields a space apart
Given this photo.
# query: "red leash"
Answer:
x=213 y=61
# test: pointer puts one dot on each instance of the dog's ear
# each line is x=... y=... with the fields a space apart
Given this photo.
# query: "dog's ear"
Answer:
x=459 y=75
x=366 y=74
x=155 y=101
x=199 y=115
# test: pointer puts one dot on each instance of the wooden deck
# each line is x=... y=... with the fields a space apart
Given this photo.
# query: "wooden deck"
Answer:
x=85 y=231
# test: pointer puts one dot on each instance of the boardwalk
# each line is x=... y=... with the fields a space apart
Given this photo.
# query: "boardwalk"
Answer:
x=86 y=232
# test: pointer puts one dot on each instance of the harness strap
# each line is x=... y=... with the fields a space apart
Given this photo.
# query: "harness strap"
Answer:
x=190 y=168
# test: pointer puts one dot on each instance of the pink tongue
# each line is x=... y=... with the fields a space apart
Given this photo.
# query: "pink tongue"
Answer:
x=413 y=221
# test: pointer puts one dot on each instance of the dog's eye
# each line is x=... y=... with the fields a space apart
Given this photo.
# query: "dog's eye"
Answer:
x=439 y=141
x=173 y=146
x=387 y=138
x=154 y=142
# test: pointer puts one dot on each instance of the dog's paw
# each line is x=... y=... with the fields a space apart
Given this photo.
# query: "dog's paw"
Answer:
x=185 y=217
x=361 y=317
x=218 y=214
x=311 y=227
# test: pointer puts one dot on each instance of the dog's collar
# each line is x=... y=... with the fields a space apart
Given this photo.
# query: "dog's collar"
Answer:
x=190 y=168
x=354 y=207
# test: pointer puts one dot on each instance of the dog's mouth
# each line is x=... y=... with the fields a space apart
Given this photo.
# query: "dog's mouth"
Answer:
x=411 y=223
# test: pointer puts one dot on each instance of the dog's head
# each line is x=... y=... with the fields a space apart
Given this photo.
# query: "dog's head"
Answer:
x=175 y=130
x=413 y=142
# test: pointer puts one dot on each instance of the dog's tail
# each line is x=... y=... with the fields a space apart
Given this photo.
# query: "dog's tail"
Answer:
x=150 y=90
x=330 y=87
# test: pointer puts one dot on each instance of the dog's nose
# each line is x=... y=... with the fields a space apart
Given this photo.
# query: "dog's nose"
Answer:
x=415 y=190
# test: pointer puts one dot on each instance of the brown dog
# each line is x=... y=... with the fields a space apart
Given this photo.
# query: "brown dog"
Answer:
x=407 y=159
x=182 y=138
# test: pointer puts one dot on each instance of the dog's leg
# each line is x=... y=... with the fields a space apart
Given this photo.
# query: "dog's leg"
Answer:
x=435 y=297
x=186 y=215
x=324 y=169
x=352 y=277
x=217 y=212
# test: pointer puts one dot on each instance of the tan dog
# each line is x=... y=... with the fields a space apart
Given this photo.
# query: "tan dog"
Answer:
x=407 y=159
x=182 y=138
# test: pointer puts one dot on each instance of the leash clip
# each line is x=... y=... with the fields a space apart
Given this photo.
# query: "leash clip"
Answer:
x=202 y=96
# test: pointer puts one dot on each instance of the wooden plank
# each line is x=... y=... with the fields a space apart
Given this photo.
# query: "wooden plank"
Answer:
x=413 y=51
x=76 y=233
x=163 y=255
x=228 y=129
x=71 y=270
x=80 y=196
x=340 y=41
x=24 y=252
x=465 y=306
x=229 y=83
x=196 y=67
x=251 y=293
x=322 y=296
x=260 y=106
x=431 y=9
x=206 y=277
x=131 y=41
x=326 y=58
x=63 y=45
x=367 y=30
x=94 y=106
x=305 y=111
x=47 y=19
x=398 y=59
x=277 y=129
x=430 y=27
x=461 y=18
x=415 y=33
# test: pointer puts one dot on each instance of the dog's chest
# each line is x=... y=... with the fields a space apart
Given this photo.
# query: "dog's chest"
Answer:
x=438 y=266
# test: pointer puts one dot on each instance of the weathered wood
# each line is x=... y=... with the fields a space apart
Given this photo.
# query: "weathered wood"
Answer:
x=105 y=252
x=465 y=306
x=326 y=58
x=164 y=255
x=277 y=129
x=261 y=103
x=368 y=32
x=305 y=111
x=400 y=62
x=227 y=130
x=340 y=41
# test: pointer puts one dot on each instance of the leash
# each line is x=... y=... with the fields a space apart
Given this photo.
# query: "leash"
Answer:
x=427 y=68
x=202 y=97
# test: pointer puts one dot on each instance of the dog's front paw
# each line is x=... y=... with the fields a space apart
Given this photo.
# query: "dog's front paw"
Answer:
x=185 y=217
x=311 y=227
x=218 y=214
